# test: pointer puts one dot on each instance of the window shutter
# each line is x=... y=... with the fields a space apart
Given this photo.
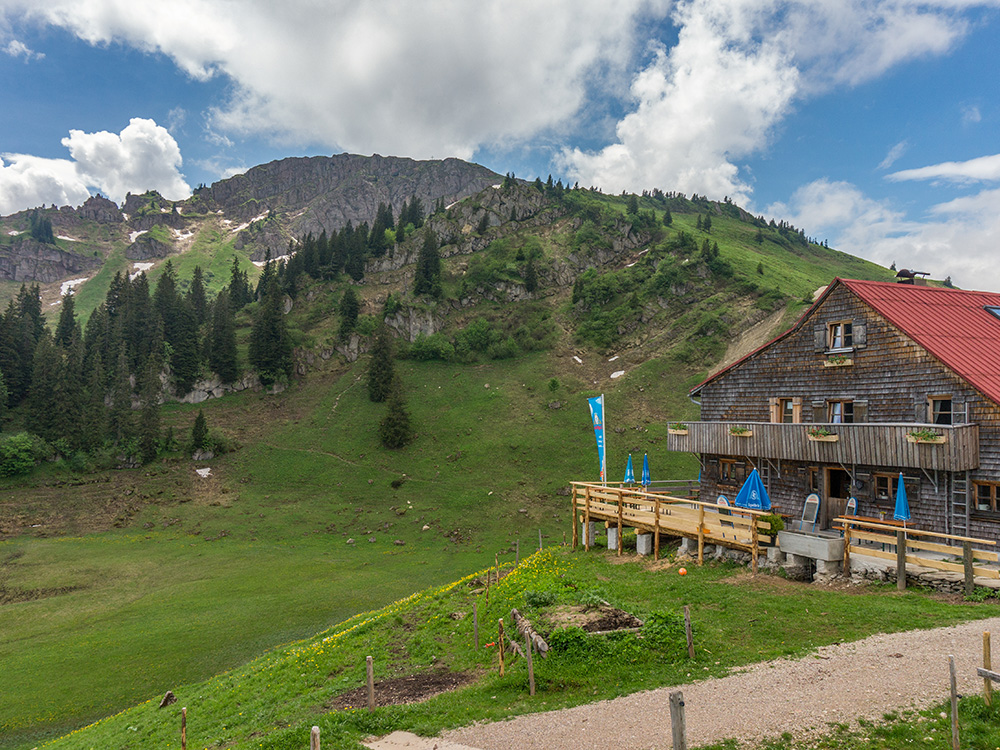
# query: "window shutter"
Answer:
x=860 y=333
x=819 y=338
x=861 y=411
x=920 y=411
x=797 y=410
x=819 y=411
x=772 y=404
x=958 y=412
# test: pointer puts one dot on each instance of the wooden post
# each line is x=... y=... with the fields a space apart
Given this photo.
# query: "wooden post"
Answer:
x=531 y=667
x=987 y=664
x=620 y=504
x=900 y=561
x=184 y=728
x=586 y=520
x=701 y=534
x=754 y=545
x=656 y=529
x=954 y=704
x=687 y=631
x=847 y=548
x=475 y=626
x=970 y=581
x=677 y=725
x=314 y=739
x=371 y=683
x=539 y=540
x=576 y=522
x=500 y=644
x=517 y=552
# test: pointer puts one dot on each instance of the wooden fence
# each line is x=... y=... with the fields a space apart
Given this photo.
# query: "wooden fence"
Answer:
x=872 y=539
x=656 y=513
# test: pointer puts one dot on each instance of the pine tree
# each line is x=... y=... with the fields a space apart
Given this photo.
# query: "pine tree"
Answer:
x=185 y=356
x=95 y=412
x=632 y=204
x=395 y=430
x=239 y=286
x=698 y=223
x=149 y=414
x=380 y=368
x=120 y=419
x=222 y=356
x=667 y=218
x=3 y=397
x=199 y=432
x=530 y=276
x=428 y=274
x=67 y=321
x=348 y=310
x=707 y=223
x=270 y=346
x=196 y=295
x=43 y=394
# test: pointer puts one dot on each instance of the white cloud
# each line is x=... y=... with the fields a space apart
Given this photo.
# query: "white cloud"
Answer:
x=737 y=70
x=418 y=79
x=973 y=170
x=30 y=181
x=957 y=239
x=16 y=48
x=894 y=153
x=144 y=156
x=971 y=115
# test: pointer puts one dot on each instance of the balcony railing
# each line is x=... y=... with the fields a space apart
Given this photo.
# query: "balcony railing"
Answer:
x=864 y=443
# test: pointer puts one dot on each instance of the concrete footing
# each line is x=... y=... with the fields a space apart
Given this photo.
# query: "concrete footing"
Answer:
x=644 y=543
x=588 y=533
x=612 y=538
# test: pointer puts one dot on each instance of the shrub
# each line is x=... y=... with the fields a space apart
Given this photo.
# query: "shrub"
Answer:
x=19 y=453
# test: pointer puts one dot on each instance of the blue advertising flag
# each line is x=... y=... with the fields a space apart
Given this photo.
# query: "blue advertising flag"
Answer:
x=752 y=494
x=629 y=473
x=597 y=416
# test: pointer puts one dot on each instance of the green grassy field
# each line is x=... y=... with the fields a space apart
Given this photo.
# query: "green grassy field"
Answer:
x=273 y=701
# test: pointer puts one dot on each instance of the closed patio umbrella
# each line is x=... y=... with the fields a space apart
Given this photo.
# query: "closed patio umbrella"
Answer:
x=629 y=474
x=752 y=494
x=645 y=470
x=902 y=511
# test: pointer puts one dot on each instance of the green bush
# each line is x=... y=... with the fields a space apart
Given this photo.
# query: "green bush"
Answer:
x=20 y=452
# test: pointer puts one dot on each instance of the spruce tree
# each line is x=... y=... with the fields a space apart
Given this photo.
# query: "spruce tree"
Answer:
x=381 y=370
x=149 y=414
x=196 y=295
x=270 y=346
x=348 y=310
x=95 y=412
x=707 y=223
x=530 y=276
x=185 y=356
x=67 y=321
x=43 y=395
x=395 y=430
x=3 y=397
x=199 y=432
x=120 y=419
x=222 y=352
x=668 y=219
x=428 y=273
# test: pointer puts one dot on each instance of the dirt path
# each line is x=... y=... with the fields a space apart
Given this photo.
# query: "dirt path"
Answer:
x=838 y=683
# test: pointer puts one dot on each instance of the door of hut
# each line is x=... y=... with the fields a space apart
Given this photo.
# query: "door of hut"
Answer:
x=838 y=490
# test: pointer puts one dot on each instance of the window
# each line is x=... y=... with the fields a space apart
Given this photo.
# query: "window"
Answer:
x=814 y=475
x=840 y=412
x=939 y=409
x=986 y=496
x=731 y=471
x=786 y=410
x=885 y=488
x=840 y=335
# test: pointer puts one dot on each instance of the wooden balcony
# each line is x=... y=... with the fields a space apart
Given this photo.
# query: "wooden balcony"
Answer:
x=865 y=443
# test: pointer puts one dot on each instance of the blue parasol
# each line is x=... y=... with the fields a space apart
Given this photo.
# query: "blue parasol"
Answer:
x=902 y=512
x=629 y=474
x=645 y=470
x=752 y=494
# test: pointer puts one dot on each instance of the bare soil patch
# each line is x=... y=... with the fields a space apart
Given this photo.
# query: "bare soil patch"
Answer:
x=397 y=691
x=592 y=620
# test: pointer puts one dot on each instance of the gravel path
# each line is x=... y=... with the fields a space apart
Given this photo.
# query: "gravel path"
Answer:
x=836 y=683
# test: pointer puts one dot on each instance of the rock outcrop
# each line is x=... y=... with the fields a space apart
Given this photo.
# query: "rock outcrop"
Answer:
x=27 y=259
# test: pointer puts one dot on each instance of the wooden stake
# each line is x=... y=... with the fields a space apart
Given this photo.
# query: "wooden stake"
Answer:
x=847 y=547
x=371 y=684
x=475 y=626
x=539 y=540
x=701 y=535
x=656 y=530
x=900 y=561
x=970 y=582
x=677 y=724
x=314 y=739
x=987 y=664
x=687 y=631
x=576 y=523
x=586 y=520
x=621 y=505
x=954 y=704
x=531 y=667
x=755 y=545
x=184 y=728
x=517 y=552
x=501 y=644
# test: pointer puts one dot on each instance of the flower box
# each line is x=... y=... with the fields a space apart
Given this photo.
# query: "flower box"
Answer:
x=745 y=432
x=677 y=431
x=920 y=440
x=831 y=438
x=838 y=362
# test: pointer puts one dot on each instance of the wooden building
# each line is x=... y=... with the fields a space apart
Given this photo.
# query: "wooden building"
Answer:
x=874 y=380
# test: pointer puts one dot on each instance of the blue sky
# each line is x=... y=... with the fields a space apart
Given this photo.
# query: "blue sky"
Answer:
x=872 y=125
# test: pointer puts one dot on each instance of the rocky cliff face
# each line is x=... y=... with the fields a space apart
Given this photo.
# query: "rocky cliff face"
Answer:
x=30 y=260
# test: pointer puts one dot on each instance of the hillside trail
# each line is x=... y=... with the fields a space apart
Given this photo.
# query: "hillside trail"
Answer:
x=834 y=684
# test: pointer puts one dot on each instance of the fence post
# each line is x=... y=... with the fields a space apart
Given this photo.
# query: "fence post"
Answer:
x=987 y=664
x=677 y=726
x=371 y=684
x=475 y=626
x=687 y=631
x=314 y=739
x=531 y=667
x=576 y=520
x=954 y=704
x=500 y=645
x=900 y=561
x=621 y=503
x=539 y=540
x=970 y=581
x=184 y=728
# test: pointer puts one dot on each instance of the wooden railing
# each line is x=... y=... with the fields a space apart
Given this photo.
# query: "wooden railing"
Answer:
x=656 y=513
x=902 y=541
x=867 y=443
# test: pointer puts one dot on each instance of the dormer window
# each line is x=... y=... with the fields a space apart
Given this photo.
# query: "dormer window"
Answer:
x=939 y=409
x=840 y=335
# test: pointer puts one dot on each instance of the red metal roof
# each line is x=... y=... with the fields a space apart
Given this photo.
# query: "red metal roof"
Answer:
x=953 y=325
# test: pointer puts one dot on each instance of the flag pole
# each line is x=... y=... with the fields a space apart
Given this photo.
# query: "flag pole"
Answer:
x=604 y=458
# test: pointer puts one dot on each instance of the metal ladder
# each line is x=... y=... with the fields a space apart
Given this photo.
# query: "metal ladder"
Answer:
x=960 y=503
